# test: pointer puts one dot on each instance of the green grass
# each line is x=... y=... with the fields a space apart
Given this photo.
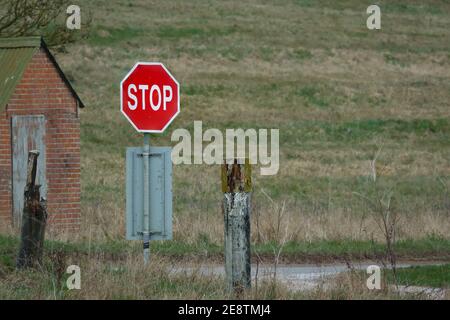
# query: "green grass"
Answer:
x=340 y=191
x=360 y=249
x=414 y=9
x=436 y=130
x=328 y=250
x=425 y=276
x=206 y=90
x=302 y=54
x=177 y=33
x=103 y=36
x=314 y=96
x=393 y=60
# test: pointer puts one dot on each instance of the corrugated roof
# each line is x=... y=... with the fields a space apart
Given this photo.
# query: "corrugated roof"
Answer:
x=21 y=42
x=12 y=65
x=15 y=54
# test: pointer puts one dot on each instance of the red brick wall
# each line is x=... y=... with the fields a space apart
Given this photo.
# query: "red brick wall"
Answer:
x=42 y=91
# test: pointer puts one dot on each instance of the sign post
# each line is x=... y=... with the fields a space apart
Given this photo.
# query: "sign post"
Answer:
x=146 y=231
x=150 y=100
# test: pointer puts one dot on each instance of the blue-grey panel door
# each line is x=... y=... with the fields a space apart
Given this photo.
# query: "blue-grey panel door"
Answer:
x=27 y=133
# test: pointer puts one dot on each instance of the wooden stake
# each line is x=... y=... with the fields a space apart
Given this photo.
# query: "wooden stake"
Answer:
x=237 y=185
x=34 y=219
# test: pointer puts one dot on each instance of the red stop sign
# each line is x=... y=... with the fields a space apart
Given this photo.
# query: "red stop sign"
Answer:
x=149 y=97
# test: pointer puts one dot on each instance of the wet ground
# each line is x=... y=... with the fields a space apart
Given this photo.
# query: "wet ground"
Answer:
x=310 y=277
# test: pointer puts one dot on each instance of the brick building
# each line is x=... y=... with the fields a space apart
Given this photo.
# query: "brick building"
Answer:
x=38 y=110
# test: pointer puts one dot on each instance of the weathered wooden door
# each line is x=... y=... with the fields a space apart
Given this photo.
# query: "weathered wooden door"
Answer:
x=28 y=133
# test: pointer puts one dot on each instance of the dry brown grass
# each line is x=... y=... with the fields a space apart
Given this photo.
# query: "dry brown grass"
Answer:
x=102 y=278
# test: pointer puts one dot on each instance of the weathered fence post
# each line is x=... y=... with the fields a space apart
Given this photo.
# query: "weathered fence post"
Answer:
x=34 y=219
x=237 y=185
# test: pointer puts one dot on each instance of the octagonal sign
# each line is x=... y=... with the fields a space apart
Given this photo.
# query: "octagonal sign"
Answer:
x=149 y=97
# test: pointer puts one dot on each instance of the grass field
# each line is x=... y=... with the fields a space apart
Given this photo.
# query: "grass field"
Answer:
x=338 y=92
x=426 y=276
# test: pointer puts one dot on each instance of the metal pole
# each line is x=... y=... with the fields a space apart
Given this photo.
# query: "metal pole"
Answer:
x=146 y=231
x=236 y=186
